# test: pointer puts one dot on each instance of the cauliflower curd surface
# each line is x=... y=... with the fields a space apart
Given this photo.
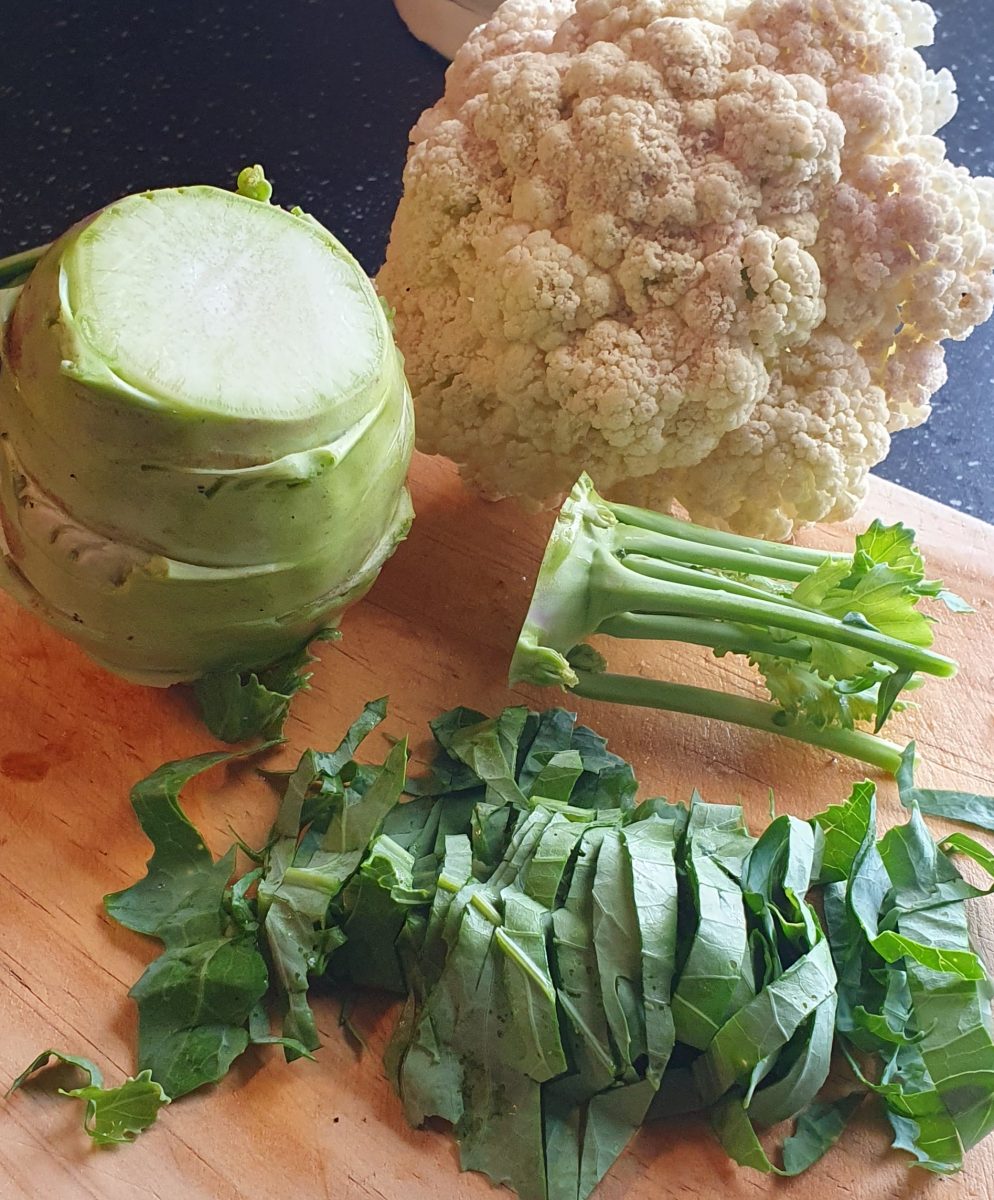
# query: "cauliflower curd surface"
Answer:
x=707 y=251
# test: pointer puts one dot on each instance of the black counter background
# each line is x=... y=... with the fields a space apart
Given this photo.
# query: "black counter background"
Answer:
x=100 y=99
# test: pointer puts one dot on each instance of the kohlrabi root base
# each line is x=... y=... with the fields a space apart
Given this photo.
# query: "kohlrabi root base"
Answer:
x=205 y=434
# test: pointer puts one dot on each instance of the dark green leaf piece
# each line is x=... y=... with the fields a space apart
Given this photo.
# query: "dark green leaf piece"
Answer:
x=300 y=882
x=817 y=1130
x=239 y=705
x=180 y=899
x=966 y=807
x=194 y=1001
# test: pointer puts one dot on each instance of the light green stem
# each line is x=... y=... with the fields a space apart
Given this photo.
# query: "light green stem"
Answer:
x=16 y=267
x=641 y=593
x=670 y=548
x=736 y=710
x=671 y=572
x=719 y=635
x=642 y=518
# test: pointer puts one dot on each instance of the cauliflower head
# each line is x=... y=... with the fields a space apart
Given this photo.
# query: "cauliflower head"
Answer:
x=705 y=250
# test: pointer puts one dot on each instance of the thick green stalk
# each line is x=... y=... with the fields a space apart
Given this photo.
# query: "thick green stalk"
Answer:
x=738 y=710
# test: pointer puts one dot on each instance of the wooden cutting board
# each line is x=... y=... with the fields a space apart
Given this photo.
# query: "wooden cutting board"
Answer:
x=436 y=631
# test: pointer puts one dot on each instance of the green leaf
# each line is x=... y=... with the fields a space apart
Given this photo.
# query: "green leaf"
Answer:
x=817 y=1130
x=299 y=884
x=583 y=657
x=558 y=777
x=961 y=843
x=716 y=977
x=894 y=546
x=955 y=806
x=612 y=1120
x=195 y=999
x=119 y=1115
x=951 y=1010
x=455 y=872
x=888 y=694
x=651 y=849
x=920 y=1120
x=260 y=1035
x=883 y=584
x=44 y=1059
x=962 y=963
x=845 y=827
x=252 y=182
x=194 y=1004
x=607 y=780
x=239 y=705
x=955 y=604
x=585 y=1033
x=882 y=597
x=619 y=952
x=180 y=900
x=454 y=1067
x=766 y=1023
x=531 y=1041
x=881 y=1028
x=372 y=715
x=448 y=773
x=775 y=882
x=545 y=734
x=490 y=750
x=113 y=1116
x=376 y=909
x=800 y=1070
x=358 y=818
x=806 y=695
x=545 y=872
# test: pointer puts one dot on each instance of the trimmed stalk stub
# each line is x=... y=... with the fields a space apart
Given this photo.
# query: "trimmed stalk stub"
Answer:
x=205 y=433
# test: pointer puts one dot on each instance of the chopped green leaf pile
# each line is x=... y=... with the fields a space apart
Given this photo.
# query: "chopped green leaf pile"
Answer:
x=838 y=639
x=573 y=963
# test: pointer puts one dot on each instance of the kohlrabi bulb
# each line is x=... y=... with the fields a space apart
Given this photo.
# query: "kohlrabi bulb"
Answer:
x=205 y=433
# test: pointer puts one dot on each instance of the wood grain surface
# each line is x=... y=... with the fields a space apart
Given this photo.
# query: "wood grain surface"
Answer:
x=436 y=631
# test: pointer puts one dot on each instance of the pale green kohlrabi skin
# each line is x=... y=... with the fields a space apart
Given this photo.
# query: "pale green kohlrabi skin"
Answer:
x=205 y=433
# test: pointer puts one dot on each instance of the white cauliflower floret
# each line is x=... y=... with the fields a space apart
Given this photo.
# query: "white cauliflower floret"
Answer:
x=707 y=250
x=805 y=442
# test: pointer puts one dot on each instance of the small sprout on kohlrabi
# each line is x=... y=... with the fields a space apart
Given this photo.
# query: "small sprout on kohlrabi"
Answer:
x=838 y=639
x=252 y=182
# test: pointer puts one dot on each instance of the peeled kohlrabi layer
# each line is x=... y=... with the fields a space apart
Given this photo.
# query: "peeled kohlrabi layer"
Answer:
x=174 y=659
x=333 y=497
x=194 y=326
x=159 y=621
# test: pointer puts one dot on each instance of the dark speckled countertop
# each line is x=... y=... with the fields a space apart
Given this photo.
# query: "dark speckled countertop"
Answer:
x=98 y=99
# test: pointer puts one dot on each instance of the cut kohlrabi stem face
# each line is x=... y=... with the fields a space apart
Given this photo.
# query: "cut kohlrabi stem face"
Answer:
x=211 y=327
x=205 y=431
